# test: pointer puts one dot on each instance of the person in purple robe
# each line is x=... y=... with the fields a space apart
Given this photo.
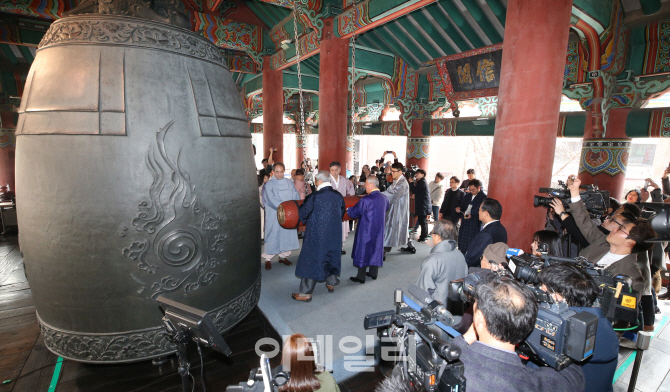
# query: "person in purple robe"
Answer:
x=368 y=250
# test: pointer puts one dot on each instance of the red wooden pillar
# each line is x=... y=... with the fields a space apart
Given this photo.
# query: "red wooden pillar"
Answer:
x=604 y=161
x=418 y=146
x=273 y=111
x=533 y=62
x=333 y=94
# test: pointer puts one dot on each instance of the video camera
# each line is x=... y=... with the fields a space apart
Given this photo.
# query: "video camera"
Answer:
x=411 y=172
x=596 y=201
x=560 y=336
x=261 y=379
x=383 y=183
x=421 y=336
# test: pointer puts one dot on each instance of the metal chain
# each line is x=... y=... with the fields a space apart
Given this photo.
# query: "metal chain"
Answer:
x=302 y=104
x=353 y=82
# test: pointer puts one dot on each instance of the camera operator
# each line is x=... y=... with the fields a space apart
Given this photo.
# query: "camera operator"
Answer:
x=549 y=239
x=625 y=214
x=504 y=315
x=494 y=256
x=298 y=359
x=617 y=250
x=422 y=207
x=571 y=284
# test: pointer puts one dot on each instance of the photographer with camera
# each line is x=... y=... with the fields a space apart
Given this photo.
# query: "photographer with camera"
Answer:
x=298 y=359
x=504 y=315
x=546 y=242
x=617 y=250
x=569 y=283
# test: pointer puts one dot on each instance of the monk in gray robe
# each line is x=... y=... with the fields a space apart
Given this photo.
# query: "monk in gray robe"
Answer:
x=397 y=216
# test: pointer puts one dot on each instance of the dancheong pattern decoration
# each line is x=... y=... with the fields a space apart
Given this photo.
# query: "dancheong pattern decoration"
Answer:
x=230 y=34
x=43 y=9
x=391 y=129
x=488 y=106
x=242 y=64
x=418 y=147
x=443 y=128
x=659 y=124
x=224 y=8
x=561 y=126
x=9 y=33
x=452 y=95
x=353 y=19
x=435 y=85
x=657 y=52
x=572 y=63
x=308 y=45
x=609 y=156
x=7 y=139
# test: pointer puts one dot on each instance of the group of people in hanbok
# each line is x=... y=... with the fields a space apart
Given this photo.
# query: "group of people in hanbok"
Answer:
x=383 y=220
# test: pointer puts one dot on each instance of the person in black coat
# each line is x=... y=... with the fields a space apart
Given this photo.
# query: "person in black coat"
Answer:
x=422 y=205
x=320 y=258
x=470 y=225
x=452 y=199
x=493 y=231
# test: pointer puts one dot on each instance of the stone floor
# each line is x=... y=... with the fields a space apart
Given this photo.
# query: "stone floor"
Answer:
x=26 y=364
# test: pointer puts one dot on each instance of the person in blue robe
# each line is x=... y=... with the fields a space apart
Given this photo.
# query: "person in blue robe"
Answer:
x=320 y=258
x=368 y=251
x=278 y=241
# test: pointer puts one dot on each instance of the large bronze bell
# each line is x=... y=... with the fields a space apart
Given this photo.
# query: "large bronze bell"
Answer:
x=135 y=174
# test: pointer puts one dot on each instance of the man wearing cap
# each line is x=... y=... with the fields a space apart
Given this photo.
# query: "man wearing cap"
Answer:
x=494 y=255
x=444 y=264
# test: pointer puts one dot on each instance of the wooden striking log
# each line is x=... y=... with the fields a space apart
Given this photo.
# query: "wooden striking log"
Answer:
x=289 y=217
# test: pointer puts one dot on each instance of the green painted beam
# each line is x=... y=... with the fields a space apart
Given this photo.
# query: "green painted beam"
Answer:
x=378 y=7
x=253 y=84
x=366 y=41
x=637 y=123
x=404 y=54
x=27 y=54
x=431 y=30
x=462 y=24
x=309 y=82
x=498 y=9
x=650 y=6
x=7 y=51
x=448 y=28
x=599 y=10
x=8 y=83
x=371 y=60
x=482 y=21
x=31 y=37
x=260 y=13
x=574 y=125
x=636 y=50
x=378 y=41
x=414 y=33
